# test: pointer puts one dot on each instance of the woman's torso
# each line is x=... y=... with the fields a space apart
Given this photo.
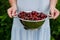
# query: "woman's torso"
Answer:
x=30 y=5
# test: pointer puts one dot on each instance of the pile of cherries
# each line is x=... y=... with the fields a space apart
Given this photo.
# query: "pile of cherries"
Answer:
x=34 y=15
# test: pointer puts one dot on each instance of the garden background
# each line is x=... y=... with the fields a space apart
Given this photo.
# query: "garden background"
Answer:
x=6 y=23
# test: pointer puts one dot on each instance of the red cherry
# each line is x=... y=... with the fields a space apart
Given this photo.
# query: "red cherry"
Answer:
x=42 y=15
x=32 y=15
x=23 y=17
x=26 y=17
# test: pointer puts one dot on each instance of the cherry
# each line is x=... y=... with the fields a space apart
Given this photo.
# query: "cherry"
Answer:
x=26 y=18
x=32 y=15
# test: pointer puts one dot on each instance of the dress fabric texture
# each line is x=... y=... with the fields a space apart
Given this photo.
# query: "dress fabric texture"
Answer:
x=19 y=33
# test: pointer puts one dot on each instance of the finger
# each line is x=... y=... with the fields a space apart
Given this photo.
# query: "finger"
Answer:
x=56 y=14
x=9 y=11
x=52 y=13
x=14 y=13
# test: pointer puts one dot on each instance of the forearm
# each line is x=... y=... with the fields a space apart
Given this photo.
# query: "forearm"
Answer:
x=53 y=3
x=12 y=2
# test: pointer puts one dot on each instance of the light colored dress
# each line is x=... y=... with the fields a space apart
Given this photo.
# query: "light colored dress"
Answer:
x=18 y=31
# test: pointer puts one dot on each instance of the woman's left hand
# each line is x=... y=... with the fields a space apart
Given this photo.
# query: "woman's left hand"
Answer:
x=54 y=12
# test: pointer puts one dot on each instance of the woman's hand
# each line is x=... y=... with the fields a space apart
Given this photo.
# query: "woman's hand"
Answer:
x=12 y=11
x=54 y=12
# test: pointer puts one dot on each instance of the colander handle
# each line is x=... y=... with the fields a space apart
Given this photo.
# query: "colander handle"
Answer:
x=49 y=16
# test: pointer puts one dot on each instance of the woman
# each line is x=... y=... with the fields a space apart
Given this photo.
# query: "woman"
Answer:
x=18 y=31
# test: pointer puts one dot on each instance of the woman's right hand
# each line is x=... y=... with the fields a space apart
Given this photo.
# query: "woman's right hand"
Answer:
x=12 y=11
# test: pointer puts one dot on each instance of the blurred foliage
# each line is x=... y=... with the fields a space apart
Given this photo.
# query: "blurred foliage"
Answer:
x=55 y=26
x=6 y=23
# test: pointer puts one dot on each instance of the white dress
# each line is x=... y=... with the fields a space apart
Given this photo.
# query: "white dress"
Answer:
x=18 y=31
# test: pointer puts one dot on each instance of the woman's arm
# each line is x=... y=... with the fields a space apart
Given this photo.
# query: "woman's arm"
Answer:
x=53 y=3
x=12 y=10
x=53 y=10
x=12 y=2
